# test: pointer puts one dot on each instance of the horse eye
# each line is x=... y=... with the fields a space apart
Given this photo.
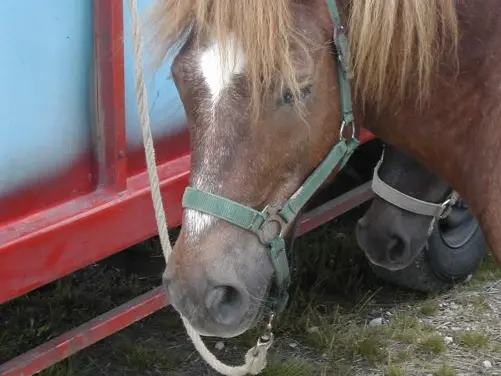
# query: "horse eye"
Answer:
x=287 y=97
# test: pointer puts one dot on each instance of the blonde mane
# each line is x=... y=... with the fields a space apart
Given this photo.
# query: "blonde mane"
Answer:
x=392 y=42
x=396 y=46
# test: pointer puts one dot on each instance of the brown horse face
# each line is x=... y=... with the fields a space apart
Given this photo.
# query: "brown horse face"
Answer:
x=392 y=237
x=219 y=274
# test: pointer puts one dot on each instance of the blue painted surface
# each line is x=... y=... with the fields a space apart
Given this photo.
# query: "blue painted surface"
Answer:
x=166 y=110
x=45 y=76
x=45 y=68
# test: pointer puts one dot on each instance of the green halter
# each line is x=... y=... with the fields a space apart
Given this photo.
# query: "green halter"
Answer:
x=256 y=221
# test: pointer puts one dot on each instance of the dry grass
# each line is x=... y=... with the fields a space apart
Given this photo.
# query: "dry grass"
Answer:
x=325 y=330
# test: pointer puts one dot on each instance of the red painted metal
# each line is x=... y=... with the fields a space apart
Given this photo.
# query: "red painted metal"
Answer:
x=68 y=237
x=166 y=149
x=85 y=335
x=73 y=182
x=365 y=135
x=109 y=124
x=334 y=208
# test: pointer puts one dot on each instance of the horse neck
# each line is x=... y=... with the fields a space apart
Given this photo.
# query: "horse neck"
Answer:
x=457 y=136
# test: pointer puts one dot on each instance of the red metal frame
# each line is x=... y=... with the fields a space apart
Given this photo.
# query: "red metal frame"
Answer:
x=111 y=322
x=44 y=246
x=47 y=245
x=110 y=142
x=334 y=208
x=85 y=335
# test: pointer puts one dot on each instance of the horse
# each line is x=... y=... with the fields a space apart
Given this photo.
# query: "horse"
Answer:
x=418 y=232
x=274 y=92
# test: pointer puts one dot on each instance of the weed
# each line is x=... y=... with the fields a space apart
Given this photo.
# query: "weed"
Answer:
x=473 y=339
x=445 y=370
x=429 y=307
x=394 y=370
x=487 y=271
x=434 y=344
x=292 y=367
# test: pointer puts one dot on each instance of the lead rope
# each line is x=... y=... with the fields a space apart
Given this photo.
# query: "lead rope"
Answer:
x=255 y=359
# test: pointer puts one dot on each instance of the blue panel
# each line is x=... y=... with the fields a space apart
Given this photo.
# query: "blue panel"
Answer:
x=45 y=68
x=166 y=110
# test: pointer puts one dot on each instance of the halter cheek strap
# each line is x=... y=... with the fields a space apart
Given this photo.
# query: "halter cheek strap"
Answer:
x=283 y=215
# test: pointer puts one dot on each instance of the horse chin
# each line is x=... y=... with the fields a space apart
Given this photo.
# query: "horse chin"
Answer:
x=227 y=334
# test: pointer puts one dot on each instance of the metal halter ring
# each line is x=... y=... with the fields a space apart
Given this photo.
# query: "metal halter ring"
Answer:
x=266 y=339
x=272 y=215
x=344 y=124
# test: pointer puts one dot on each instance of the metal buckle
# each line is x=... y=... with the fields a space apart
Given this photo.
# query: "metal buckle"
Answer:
x=446 y=208
x=447 y=205
x=341 y=55
x=266 y=339
x=338 y=30
x=271 y=214
x=343 y=126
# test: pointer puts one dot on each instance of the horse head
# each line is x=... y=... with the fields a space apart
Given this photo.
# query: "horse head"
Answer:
x=409 y=199
x=266 y=94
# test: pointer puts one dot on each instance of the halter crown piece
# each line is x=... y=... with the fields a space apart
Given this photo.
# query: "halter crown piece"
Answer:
x=283 y=215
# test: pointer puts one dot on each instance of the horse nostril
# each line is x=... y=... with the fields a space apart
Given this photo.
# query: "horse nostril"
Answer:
x=225 y=304
x=395 y=250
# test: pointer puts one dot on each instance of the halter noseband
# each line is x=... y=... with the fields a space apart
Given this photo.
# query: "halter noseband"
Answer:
x=409 y=203
x=283 y=215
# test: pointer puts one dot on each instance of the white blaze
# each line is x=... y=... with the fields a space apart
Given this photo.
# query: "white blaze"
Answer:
x=217 y=76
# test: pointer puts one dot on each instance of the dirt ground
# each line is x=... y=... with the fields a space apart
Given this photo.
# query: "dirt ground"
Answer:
x=341 y=320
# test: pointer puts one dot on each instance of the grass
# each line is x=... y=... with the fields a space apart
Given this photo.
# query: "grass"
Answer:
x=487 y=271
x=434 y=344
x=429 y=307
x=473 y=340
x=291 y=367
x=445 y=370
x=394 y=370
x=333 y=299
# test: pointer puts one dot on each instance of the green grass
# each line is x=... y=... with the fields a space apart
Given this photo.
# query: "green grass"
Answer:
x=487 y=271
x=473 y=340
x=445 y=370
x=434 y=344
x=394 y=370
x=292 y=367
x=429 y=307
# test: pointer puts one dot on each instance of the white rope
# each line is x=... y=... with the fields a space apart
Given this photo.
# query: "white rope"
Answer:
x=255 y=359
